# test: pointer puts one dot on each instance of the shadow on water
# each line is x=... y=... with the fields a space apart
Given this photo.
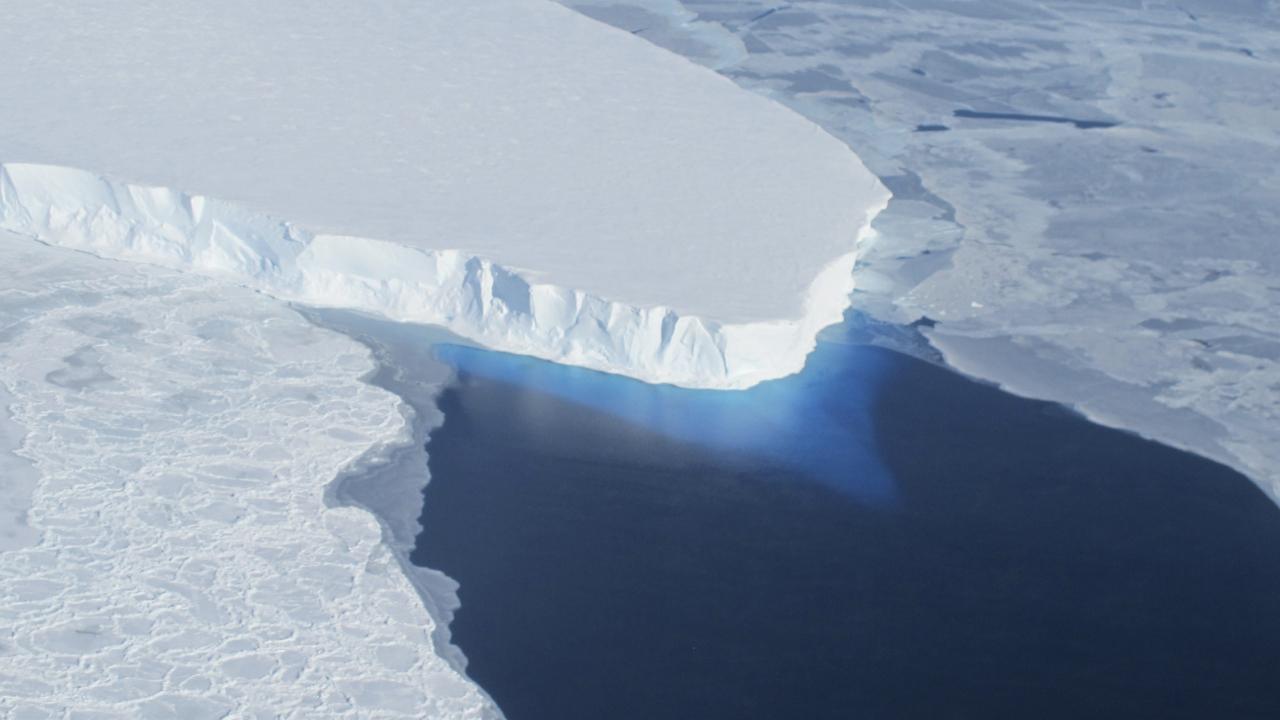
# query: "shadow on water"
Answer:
x=874 y=538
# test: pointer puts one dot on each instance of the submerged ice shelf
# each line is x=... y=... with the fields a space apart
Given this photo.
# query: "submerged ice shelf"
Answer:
x=531 y=178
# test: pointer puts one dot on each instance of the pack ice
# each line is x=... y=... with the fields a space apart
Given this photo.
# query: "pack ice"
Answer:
x=530 y=178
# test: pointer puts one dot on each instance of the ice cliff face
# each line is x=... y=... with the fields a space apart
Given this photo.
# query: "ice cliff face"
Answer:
x=493 y=305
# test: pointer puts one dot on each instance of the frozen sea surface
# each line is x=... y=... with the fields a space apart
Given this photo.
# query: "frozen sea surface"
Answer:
x=18 y=480
x=186 y=562
x=1090 y=213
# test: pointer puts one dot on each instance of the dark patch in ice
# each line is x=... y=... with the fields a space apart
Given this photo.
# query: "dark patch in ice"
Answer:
x=857 y=101
x=932 y=128
x=1249 y=345
x=783 y=16
x=1175 y=325
x=217 y=329
x=755 y=45
x=192 y=400
x=84 y=371
x=989 y=10
x=1020 y=117
x=909 y=186
x=860 y=50
x=989 y=51
x=808 y=81
x=102 y=327
x=924 y=321
x=950 y=92
x=12 y=331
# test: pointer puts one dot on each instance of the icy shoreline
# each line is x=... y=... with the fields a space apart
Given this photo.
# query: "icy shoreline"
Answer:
x=387 y=481
x=476 y=298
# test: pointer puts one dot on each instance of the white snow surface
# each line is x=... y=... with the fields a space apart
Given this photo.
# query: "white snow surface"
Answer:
x=187 y=563
x=531 y=178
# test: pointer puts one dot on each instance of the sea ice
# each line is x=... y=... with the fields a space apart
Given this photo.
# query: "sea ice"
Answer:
x=1085 y=194
x=186 y=433
x=18 y=479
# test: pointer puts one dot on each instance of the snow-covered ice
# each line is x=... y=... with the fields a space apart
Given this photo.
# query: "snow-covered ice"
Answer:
x=18 y=478
x=585 y=196
x=188 y=565
x=1132 y=271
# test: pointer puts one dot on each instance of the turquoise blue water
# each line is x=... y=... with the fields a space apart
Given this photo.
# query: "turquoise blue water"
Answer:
x=788 y=424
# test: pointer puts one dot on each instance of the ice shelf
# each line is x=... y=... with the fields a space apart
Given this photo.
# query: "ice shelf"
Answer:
x=530 y=178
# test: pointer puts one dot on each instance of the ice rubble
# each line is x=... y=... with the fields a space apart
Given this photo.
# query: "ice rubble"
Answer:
x=533 y=179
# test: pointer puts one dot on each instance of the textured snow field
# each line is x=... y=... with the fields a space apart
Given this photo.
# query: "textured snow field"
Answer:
x=188 y=565
x=642 y=214
x=1131 y=271
x=18 y=478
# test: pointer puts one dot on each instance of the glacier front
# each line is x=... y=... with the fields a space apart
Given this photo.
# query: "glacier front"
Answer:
x=530 y=178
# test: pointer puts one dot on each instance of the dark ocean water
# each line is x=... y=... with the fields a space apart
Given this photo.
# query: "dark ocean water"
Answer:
x=876 y=537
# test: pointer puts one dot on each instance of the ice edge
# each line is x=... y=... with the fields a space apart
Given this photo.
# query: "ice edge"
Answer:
x=472 y=296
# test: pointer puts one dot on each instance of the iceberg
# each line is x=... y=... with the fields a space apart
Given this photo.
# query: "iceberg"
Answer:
x=533 y=180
